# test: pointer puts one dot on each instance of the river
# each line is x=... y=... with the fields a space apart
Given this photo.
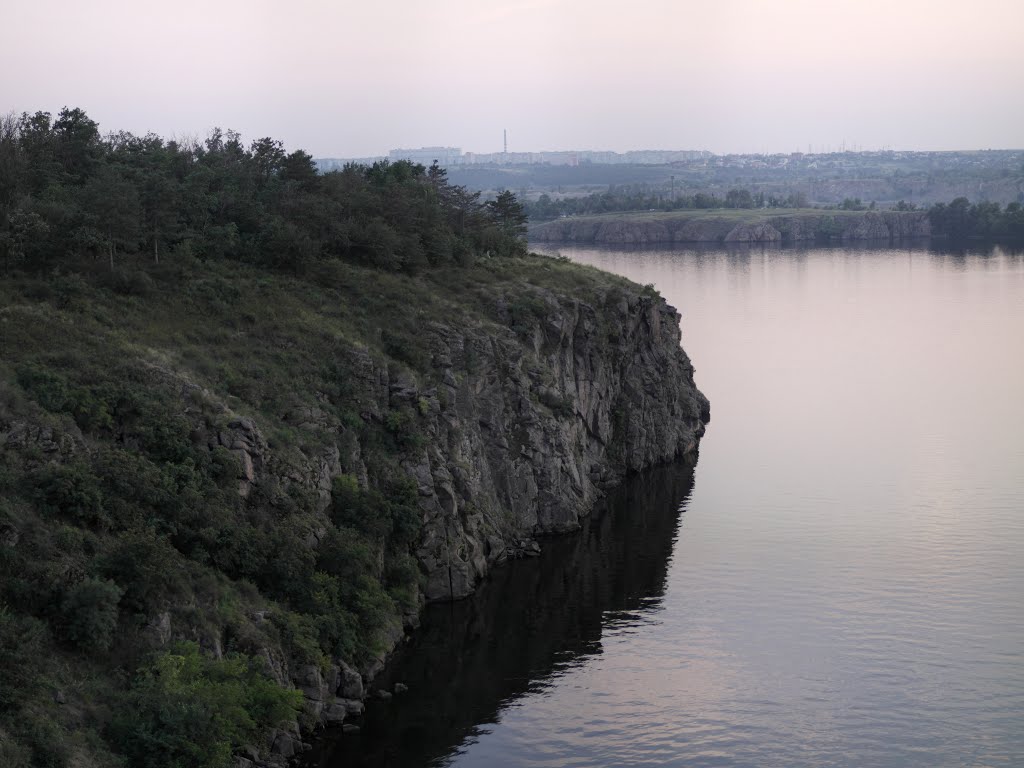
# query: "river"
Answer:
x=838 y=582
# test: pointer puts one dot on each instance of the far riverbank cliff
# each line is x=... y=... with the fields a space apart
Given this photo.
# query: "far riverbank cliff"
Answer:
x=740 y=226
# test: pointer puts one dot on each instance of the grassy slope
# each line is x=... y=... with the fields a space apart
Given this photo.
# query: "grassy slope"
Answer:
x=255 y=337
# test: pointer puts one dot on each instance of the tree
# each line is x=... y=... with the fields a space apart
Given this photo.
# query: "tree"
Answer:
x=24 y=229
x=957 y=218
x=437 y=175
x=739 y=198
x=37 y=142
x=796 y=200
x=267 y=157
x=113 y=203
x=1013 y=218
x=159 y=201
x=149 y=166
x=299 y=167
x=985 y=218
x=77 y=140
x=507 y=212
x=13 y=165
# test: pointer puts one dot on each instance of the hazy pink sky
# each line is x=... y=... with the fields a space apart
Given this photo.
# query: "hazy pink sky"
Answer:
x=349 y=78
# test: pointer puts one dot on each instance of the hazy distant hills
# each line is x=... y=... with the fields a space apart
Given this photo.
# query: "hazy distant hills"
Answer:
x=921 y=178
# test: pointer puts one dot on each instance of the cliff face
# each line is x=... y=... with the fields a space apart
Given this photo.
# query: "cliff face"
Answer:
x=759 y=228
x=523 y=432
x=528 y=429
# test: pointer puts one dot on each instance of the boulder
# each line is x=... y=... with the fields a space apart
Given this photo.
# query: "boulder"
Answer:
x=351 y=683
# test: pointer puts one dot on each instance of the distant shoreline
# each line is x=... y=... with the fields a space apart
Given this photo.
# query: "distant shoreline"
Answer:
x=733 y=226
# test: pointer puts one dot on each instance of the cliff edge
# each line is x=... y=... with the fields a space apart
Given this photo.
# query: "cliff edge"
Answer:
x=526 y=428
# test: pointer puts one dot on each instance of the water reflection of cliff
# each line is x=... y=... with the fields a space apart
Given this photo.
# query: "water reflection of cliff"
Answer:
x=532 y=619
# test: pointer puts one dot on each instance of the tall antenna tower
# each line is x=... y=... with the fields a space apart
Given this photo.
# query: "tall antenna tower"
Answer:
x=504 y=134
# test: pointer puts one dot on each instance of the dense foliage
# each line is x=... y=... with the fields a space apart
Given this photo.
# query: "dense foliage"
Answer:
x=155 y=297
x=66 y=191
x=961 y=220
x=188 y=710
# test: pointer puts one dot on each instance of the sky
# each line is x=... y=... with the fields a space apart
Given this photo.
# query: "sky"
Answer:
x=348 y=78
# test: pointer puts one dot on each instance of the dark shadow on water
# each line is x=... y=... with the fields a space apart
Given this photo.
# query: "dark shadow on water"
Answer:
x=530 y=620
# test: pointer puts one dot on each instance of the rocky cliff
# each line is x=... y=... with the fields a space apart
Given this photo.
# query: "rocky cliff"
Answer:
x=304 y=477
x=523 y=428
x=757 y=227
x=526 y=426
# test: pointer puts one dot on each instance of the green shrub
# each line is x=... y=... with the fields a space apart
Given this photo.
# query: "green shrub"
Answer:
x=390 y=516
x=298 y=635
x=71 y=491
x=403 y=509
x=147 y=567
x=23 y=641
x=47 y=388
x=187 y=710
x=90 y=613
x=328 y=604
x=527 y=311
x=362 y=511
x=401 y=577
x=404 y=428
x=53 y=392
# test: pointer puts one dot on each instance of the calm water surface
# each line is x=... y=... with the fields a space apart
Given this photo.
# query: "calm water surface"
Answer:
x=839 y=582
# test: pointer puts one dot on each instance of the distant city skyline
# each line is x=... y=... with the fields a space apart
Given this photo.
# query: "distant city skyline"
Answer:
x=342 y=78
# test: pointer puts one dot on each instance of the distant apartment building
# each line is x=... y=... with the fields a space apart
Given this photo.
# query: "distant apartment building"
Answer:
x=427 y=155
x=654 y=156
x=521 y=158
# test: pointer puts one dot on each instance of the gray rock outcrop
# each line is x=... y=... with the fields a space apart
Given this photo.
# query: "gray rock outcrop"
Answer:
x=529 y=429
